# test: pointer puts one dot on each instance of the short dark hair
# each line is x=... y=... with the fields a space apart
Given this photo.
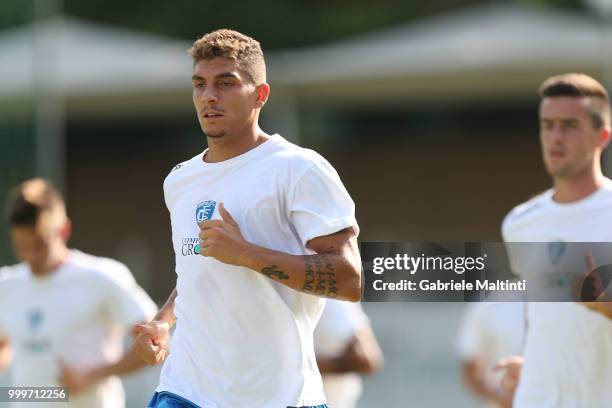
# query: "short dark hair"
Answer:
x=230 y=44
x=580 y=85
x=27 y=202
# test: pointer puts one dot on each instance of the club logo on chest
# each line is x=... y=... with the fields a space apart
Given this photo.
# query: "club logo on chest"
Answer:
x=205 y=210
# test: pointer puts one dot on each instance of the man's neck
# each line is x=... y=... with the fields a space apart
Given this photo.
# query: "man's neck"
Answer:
x=59 y=257
x=230 y=146
x=568 y=190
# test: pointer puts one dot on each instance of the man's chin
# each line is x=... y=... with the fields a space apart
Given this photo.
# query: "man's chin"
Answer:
x=215 y=135
x=564 y=172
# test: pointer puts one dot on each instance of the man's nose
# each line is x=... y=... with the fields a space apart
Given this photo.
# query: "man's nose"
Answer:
x=210 y=95
x=556 y=133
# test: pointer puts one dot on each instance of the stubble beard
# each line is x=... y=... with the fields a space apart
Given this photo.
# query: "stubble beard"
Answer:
x=567 y=171
x=217 y=135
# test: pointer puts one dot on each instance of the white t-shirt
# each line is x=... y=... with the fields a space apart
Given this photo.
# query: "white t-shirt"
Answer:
x=568 y=353
x=338 y=325
x=78 y=314
x=241 y=339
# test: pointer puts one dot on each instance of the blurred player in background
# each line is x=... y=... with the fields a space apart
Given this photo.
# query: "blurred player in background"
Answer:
x=489 y=332
x=262 y=229
x=63 y=313
x=346 y=349
x=568 y=355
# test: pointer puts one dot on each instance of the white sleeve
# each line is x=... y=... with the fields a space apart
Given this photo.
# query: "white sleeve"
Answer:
x=319 y=205
x=471 y=338
x=127 y=302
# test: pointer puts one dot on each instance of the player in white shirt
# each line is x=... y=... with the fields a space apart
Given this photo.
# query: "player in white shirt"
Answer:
x=568 y=355
x=262 y=230
x=63 y=313
x=346 y=349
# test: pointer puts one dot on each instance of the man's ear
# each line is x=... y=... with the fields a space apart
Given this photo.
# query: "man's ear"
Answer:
x=604 y=137
x=66 y=230
x=262 y=92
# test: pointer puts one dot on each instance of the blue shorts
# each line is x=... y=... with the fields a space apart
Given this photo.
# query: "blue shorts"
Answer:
x=167 y=399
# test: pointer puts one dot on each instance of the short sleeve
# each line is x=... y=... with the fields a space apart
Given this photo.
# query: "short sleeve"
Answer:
x=319 y=205
x=471 y=339
x=127 y=302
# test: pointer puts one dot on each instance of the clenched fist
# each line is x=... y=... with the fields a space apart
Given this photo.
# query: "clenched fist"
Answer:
x=151 y=341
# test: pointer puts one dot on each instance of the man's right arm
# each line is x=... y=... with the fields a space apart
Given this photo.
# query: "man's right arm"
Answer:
x=6 y=354
x=151 y=339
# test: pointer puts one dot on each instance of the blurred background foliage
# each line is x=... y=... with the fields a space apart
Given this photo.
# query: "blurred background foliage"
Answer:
x=276 y=23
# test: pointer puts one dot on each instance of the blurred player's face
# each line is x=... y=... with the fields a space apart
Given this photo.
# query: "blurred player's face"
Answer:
x=569 y=140
x=225 y=98
x=39 y=246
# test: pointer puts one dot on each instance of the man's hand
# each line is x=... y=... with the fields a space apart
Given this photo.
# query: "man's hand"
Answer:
x=592 y=286
x=151 y=341
x=511 y=367
x=587 y=290
x=6 y=354
x=588 y=286
x=222 y=239
x=75 y=380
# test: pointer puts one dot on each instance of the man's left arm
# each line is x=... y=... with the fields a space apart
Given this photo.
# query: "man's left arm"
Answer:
x=333 y=272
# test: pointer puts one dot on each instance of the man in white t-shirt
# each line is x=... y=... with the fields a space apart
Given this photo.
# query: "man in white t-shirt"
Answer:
x=63 y=313
x=567 y=361
x=346 y=349
x=262 y=230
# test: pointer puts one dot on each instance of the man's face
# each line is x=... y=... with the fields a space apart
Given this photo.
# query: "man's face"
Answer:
x=569 y=140
x=32 y=246
x=224 y=96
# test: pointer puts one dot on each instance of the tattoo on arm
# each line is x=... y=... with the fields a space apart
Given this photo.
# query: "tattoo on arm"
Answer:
x=320 y=277
x=273 y=272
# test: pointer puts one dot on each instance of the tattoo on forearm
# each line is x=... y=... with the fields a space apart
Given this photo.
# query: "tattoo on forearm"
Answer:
x=309 y=276
x=273 y=272
x=320 y=277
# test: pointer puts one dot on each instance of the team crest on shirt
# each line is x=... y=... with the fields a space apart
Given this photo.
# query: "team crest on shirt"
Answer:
x=205 y=210
x=556 y=250
x=36 y=343
x=35 y=318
